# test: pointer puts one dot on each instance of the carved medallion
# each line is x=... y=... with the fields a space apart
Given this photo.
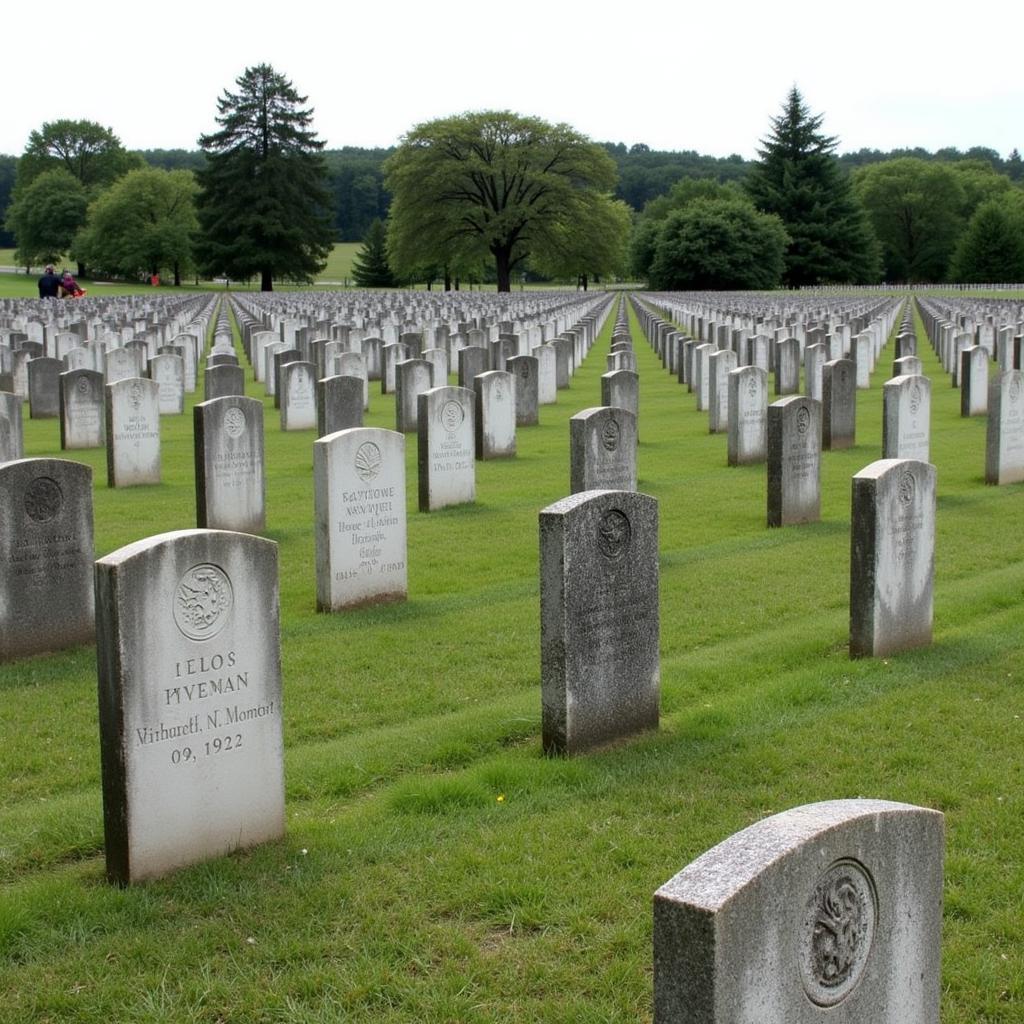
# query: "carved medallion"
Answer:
x=752 y=387
x=135 y=395
x=838 y=928
x=234 y=422
x=803 y=419
x=1015 y=388
x=916 y=397
x=610 y=435
x=613 y=535
x=499 y=390
x=907 y=488
x=43 y=499
x=368 y=461
x=203 y=602
x=84 y=386
x=452 y=415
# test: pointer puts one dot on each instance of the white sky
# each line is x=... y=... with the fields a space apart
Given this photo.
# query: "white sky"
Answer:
x=705 y=75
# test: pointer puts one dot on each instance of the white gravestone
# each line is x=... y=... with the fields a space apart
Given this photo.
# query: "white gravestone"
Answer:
x=133 y=432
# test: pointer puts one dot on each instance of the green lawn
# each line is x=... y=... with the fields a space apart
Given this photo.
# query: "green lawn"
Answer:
x=437 y=866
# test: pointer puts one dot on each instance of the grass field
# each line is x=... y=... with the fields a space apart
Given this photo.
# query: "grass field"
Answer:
x=437 y=866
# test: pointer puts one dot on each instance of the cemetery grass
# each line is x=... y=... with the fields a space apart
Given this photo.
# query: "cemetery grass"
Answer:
x=437 y=867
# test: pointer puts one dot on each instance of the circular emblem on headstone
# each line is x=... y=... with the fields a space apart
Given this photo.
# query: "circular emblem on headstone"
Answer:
x=452 y=415
x=83 y=387
x=916 y=397
x=499 y=390
x=838 y=928
x=1015 y=388
x=368 y=460
x=234 y=422
x=135 y=394
x=43 y=499
x=613 y=534
x=907 y=488
x=610 y=435
x=752 y=387
x=203 y=602
x=524 y=370
x=803 y=419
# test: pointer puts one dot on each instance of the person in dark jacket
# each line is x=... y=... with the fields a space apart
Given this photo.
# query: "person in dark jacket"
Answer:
x=49 y=284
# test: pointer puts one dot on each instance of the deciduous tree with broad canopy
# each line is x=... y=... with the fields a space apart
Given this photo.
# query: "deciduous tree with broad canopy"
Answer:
x=500 y=183
x=45 y=215
x=264 y=207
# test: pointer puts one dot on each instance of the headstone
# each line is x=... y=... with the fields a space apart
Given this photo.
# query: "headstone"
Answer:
x=188 y=651
x=445 y=448
x=281 y=357
x=169 y=372
x=46 y=555
x=473 y=361
x=82 y=417
x=600 y=668
x=1004 y=443
x=722 y=363
x=392 y=356
x=412 y=378
x=11 y=438
x=133 y=432
x=906 y=345
x=223 y=381
x=547 y=374
x=495 y=423
x=974 y=381
x=621 y=388
x=794 y=461
x=907 y=366
x=438 y=360
x=892 y=557
x=862 y=351
x=906 y=417
x=339 y=403
x=120 y=364
x=359 y=481
x=229 y=470
x=748 y=416
x=838 y=405
x=815 y=357
x=44 y=388
x=787 y=366
x=700 y=378
x=524 y=374
x=602 y=450
x=298 y=396
x=826 y=912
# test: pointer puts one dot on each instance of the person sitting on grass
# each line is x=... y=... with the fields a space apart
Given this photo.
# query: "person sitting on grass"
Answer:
x=69 y=287
x=49 y=284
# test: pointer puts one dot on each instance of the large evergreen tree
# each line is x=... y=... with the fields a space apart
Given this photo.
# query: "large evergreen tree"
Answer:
x=264 y=206
x=370 y=267
x=799 y=179
x=992 y=247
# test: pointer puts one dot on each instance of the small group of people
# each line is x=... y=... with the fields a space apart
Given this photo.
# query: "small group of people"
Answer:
x=62 y=286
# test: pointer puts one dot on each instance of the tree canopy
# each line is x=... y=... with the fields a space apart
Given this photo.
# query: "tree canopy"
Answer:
x=370 y=267
x=799 y=179
x=46 y=214
x=492 y=182
x=991 y=249
x=264 y=207
x=84 y=149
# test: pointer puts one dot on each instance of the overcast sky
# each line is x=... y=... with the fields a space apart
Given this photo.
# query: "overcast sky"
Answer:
x=705 y=76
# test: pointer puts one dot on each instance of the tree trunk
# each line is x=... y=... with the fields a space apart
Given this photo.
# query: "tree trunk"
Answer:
x=177 y=274
x=266 y=280
x=582 y=282
x=81 y=269
x=447 y=280
x=502 y=259
x=456 y=284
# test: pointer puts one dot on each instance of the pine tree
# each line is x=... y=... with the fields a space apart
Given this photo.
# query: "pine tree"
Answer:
x=799 y=179
x=992 y=248
x=370 y=267
x=264 y=206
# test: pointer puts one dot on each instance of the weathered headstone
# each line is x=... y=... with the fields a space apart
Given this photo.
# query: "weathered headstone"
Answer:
x=600 y=668
x=748 y=416
x=339 y=404
x=906 y=417
x=223 y=381
x=119 y=364
x=46 y=555
x=794 y=461
x=621 y=389
x=831 y=911
x=11 y=437
x=974 y=381
x=298 y=396
x=169 y=372
x=229 y=472
x=133 y=432
x=722 y=363
x=44 y=388
x=188 y=646
x=838 y=404
x=82 y=417
x=445 y=448
x=495 y=423
x=787 y=366
x=359 y=480
x=892 y=557
x=473 y=361
x=815 y=357
x=1004 y=443
x=602 y=450
x=907 y=366
x=524 y=375
x=412 y=378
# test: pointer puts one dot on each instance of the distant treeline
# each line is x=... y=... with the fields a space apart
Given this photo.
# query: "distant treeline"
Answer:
x=356 y=178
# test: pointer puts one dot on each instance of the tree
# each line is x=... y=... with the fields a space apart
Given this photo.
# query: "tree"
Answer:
x=992 y=247
x=718 y=244
x=799 y=179
x=490 y=182
x=144 y=223
x=45 y=216
x=915 y=206
x=370 y=267
x=264 y=206
x=8 y=168
x=86 y=150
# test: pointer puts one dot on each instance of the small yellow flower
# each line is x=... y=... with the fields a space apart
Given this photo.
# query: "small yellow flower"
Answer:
x=501 y=798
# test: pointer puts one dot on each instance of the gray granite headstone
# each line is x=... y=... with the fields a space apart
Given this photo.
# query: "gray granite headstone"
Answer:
x=787 y=366
x=700 y=378
x=188 y=652
x=748 y=416
x=133 y=432
x=359 y=481
x=82 y=416
x=723 y=363
x=11 y=437
x=495 y=423
x=223 y=381
x=44 y=388
x=621 y=388
x=119 y=364
x=974 y=381
x=46 y=555
x=298 y=395
x=473 y=360
x=602 y=450
x=169 y=372
x=547 y=374
x=815 y=357
x=412 y=378
x=391 y=355
x=794 y=461
x=892 y=557
x=229 y=470
x=838 y=405
x=524 y=370
x=907 y=366
x=339 y=404
x=446 y=457
x=826 y=912
x=906 y=417
x=352 y=364
x=600 y=667
x=1004 y=442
